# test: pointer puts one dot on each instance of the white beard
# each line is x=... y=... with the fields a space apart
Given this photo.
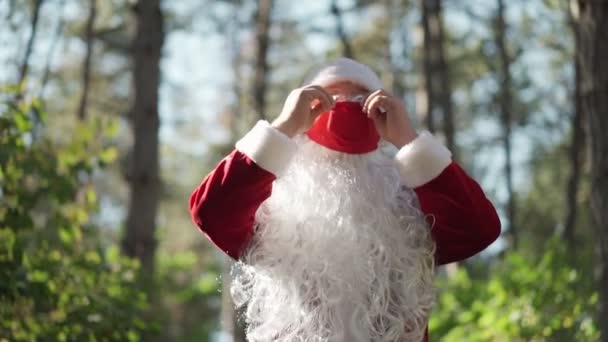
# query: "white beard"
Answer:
x=341 y=252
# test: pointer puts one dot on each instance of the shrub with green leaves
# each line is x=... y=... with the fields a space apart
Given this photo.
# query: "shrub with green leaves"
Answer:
x=523 y=298
x=58 y=282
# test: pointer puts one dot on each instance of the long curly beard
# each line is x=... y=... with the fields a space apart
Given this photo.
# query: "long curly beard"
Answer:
x=341 y=252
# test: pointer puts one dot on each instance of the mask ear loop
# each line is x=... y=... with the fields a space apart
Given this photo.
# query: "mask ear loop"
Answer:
x=343 y=98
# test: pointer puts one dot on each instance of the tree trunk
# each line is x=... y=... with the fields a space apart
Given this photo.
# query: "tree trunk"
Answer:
x=51 y=52
x=237 y=90
x=347 y=50
x=505 y=104
x=577 y=146
x=428 y=66
x=260 y=77
x=592 y=55
x=86 y=68
x=144 y=175
x=437 y=79
x=23 y=70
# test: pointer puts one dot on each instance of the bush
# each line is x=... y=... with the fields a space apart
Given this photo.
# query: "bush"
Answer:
x=57 y=280
x=551 y=298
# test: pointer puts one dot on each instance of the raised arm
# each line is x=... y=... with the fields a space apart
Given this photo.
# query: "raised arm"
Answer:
x=223 y=206
x=464 y=222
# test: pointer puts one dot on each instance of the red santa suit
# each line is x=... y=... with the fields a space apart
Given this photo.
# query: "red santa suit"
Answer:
x=462 y=221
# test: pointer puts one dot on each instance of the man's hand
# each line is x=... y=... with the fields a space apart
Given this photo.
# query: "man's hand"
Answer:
x=301 y=108
x=390 y=117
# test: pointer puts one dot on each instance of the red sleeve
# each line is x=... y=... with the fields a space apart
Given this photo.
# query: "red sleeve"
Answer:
x=223 y=206
x=464 y=222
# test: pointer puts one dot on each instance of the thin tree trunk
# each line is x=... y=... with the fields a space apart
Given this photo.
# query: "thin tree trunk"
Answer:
x=443 y=84
x=260 y=77
x=86 y=68
x=23 y=70
x=236 y=61
x=577 y=147
x=428 y=67
x=436 y=71
x=51 y=52
x=592 y=55
x=347 y=50
x=505 y=103
x=144 y=175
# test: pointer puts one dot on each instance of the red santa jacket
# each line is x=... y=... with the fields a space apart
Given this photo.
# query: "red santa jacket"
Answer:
x=223 y=207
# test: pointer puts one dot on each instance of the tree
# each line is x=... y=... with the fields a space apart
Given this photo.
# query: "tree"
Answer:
x=262 y=33
x=577 y=144
x=347 y=50
x=86 y=68
x=436 y=74
x=51 y=52
x=23 y=70
x=505 y=104
x=592 y=56
x=143 y=175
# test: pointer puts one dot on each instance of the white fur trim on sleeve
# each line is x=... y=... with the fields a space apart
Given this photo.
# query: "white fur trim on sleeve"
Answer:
x=267 y=147
x=422 y=160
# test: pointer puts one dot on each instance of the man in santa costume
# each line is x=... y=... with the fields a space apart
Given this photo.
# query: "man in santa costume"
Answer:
x=336 y=238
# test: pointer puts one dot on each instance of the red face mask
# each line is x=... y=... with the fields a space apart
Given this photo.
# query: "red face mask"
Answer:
x=345 y=128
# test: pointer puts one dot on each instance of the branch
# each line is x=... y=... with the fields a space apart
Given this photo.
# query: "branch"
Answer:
x=30 y=43
x=86 y=72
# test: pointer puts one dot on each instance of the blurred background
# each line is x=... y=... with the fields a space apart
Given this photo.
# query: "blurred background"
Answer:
x=113 y=112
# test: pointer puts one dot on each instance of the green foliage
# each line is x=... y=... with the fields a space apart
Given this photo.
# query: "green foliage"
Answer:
x=196 y=295
x=57 y=281
x=551 y=298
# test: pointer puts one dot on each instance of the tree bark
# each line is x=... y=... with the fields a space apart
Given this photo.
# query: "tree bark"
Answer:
x=86 y=68
x=592 y=55
x=437 y=79
x=428 y=67
x=505 y=104
x=144 y=175
x=24 y=68
x=577 y=145
x=347 y=50
x=260 y=77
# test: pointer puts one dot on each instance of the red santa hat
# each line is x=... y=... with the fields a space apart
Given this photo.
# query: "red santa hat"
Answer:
x=345 y=70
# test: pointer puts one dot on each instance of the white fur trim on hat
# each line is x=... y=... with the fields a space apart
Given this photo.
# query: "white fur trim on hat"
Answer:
x=345 y=69
x=422 y=160
x=267 y=147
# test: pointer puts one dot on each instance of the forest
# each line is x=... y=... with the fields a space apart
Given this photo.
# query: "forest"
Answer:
x=112 y=112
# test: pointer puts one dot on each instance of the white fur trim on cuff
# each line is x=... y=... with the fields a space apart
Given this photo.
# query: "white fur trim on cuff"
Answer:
x=267 y=147
x=422 y=160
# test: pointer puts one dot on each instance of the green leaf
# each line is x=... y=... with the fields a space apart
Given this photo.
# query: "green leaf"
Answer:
x=38 y=276
x=207 y=283
x=108 y=155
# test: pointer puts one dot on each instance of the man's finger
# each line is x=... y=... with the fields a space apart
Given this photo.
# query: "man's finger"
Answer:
x=376 y=105
x=312 y=94
x=319 y=89
x=370 y=98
